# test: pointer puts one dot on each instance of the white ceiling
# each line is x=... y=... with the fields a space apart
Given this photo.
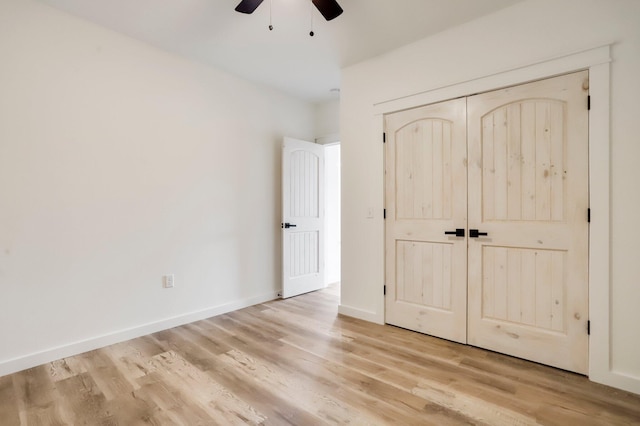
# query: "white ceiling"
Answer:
x=287 y=58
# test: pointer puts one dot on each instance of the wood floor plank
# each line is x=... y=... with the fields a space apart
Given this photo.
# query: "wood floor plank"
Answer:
x=37 y=393
x=130 y=362
x=172 y=406
x=82 y=401
x=297 y=362
x=9 y=408
x=272 y=406
x=200 y=335
x=106 y=374
x=389 y=404
x=206 y=392
x=64 y=368
x=308 y=394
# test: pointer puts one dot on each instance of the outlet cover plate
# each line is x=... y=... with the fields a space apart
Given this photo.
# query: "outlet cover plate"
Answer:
x=169 y=281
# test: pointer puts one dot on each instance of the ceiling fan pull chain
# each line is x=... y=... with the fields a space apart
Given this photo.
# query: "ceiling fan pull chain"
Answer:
x=270 y=15
x=311 y=33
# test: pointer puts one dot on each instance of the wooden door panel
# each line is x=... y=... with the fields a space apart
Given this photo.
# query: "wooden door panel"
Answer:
x=424 y=274
x=523 y=164
x=423 y=170
x=524 y=286
x=528 y=190
x=425 y=191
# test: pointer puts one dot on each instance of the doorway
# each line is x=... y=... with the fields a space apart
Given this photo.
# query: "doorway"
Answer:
x=311 y=217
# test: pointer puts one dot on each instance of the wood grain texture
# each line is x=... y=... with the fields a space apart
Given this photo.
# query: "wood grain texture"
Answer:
x=529 y=192
x=426 y=197
x=297 y=362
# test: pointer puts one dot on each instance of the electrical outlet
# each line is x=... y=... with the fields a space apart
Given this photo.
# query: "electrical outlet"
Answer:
x=168 y=281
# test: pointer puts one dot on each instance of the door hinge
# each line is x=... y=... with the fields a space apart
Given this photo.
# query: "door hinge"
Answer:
x=384 y=213
x=589 y=102
x=384 y=290
x=384 y=137
x=589 y=215
x=589 y=327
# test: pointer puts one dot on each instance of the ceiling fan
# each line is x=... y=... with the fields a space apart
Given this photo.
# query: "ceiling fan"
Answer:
x=330 y=9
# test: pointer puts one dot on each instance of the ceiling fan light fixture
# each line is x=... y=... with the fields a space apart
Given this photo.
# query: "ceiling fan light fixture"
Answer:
x=330 y=9
x=270 y=15
x=248 y=6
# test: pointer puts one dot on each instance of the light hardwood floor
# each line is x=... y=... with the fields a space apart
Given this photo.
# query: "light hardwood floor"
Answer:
x=298 y=362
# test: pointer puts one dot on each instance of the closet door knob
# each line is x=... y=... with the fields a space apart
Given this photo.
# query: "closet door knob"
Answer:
x=474 y=233
x=459 y=232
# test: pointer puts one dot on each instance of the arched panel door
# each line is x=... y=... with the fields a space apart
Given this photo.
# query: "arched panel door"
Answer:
x=529 y=195
x=426 y=190
x=303 y=217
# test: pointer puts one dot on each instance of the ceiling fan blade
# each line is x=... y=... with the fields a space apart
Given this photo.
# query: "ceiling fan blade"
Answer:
x=248 y=6
x=330 y=9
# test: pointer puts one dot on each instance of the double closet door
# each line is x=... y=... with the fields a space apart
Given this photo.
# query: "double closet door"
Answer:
x=487 y=220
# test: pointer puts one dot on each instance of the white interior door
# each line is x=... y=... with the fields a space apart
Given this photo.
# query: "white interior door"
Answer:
x=426 y=202
x=528 y=192
x=302 y=217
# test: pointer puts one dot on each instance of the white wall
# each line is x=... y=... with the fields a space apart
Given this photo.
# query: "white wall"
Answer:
x=120 y=163
x=526 y=33
x=327 y=121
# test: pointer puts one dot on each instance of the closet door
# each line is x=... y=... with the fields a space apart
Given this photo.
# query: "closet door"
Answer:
x=528 y=200
x=426 y=196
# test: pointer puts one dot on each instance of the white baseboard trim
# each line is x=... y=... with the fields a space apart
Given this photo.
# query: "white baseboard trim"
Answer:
x=617 y=380
x=360 y=314
x=33 y=360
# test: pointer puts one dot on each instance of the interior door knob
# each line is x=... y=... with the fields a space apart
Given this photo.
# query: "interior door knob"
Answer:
x=288 y=225
x=474 y=233
x=459 y=232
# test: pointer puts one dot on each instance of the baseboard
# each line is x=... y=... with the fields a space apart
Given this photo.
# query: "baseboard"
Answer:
x=33 y=360
x=618 y=380
x=360 y=314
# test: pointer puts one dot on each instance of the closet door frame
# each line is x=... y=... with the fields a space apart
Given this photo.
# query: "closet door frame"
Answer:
x=597 y=62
